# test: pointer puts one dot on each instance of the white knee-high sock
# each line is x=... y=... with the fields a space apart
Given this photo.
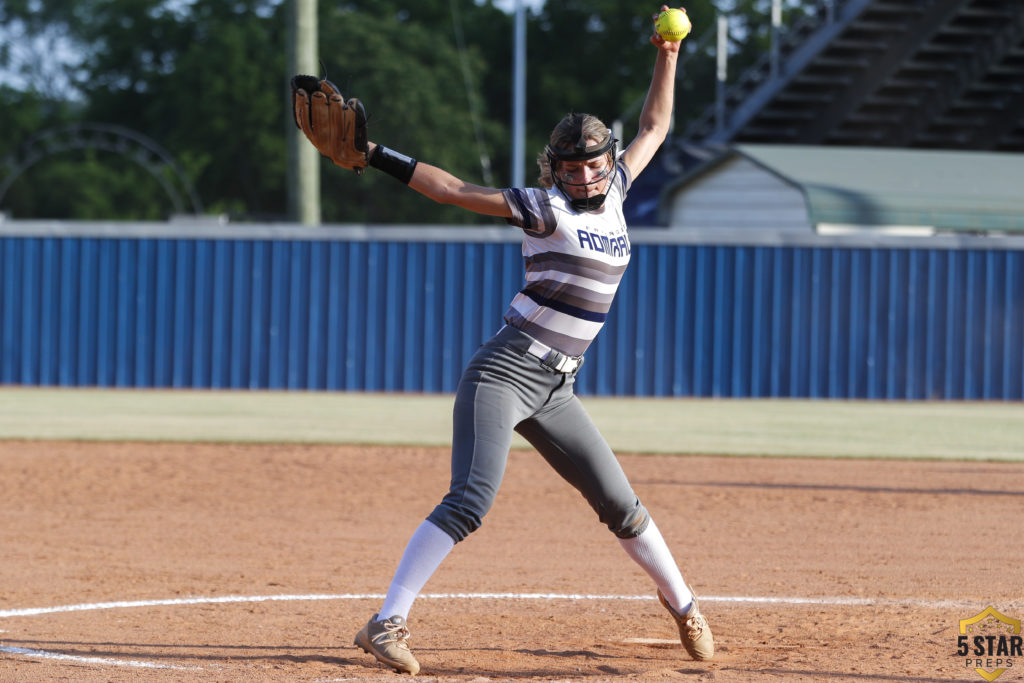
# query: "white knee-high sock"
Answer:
x=424 y=553
x=650 y=551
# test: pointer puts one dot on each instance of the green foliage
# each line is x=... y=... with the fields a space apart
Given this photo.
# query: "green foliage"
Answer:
x=207 y=80
x=21 y=115
x=409 y=78
x=88 y=185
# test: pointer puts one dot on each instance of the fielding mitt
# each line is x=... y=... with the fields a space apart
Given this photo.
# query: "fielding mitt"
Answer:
x=335 y=127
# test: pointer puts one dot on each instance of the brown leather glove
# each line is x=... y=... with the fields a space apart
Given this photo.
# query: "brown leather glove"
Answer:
x=335 y=127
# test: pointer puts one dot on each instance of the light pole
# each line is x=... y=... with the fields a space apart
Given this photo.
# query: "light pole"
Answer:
x=519 y=97
x=303 y=159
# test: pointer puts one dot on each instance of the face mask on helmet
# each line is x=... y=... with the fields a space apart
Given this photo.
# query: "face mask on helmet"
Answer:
x=581 y=152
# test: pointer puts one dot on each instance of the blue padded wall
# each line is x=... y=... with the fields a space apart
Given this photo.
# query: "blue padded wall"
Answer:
x=689 y=320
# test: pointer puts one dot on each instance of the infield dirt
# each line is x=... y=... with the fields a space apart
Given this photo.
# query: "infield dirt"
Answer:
x=914 y=546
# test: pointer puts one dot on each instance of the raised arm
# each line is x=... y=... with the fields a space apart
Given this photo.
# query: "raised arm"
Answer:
x=656 y=116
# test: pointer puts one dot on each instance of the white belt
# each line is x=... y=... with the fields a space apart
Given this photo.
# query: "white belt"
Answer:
x=556 y=360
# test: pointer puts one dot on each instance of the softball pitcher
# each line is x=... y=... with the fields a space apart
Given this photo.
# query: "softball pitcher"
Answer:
x=576 y=248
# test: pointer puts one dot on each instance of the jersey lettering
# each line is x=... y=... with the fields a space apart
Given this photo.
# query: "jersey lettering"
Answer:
x=614 y=246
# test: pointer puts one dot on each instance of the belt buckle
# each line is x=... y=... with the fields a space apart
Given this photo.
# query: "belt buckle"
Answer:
x=551 y=358
x=559 y=362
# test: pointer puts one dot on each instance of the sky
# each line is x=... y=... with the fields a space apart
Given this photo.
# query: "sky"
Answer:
x=56 y=52
x=509 y=5
x=42 y=54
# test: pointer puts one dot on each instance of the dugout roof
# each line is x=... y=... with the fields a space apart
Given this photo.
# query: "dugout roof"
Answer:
x=960 y=191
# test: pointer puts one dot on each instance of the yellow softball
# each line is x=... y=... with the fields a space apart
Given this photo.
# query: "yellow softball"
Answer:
x=672 y=25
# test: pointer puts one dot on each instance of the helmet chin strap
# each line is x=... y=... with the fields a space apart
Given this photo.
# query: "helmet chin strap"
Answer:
x=590 y=202
x=581 y=152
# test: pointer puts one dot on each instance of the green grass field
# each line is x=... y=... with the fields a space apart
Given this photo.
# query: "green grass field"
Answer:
x=942 y=430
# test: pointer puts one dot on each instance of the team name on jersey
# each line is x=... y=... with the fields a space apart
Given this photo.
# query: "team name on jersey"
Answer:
x=616 y=245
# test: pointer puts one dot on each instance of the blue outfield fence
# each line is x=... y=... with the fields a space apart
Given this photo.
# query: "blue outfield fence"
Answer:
x=360 y=315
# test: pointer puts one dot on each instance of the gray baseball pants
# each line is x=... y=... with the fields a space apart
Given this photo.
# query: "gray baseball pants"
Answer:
x=504 y=388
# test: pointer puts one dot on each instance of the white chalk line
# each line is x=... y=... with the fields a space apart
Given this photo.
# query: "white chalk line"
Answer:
x=837 y=601
x=228 y=599
x=43 y=654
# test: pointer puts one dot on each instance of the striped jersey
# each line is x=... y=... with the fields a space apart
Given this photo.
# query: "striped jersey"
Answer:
x=574 y=262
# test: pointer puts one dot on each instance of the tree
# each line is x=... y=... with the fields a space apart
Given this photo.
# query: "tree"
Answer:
x=206 y=84
x=409 y=76
x=206 y=80
x=209 y=84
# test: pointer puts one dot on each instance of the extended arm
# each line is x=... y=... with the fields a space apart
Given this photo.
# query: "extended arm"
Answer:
x=443 y=187
x=656 y=116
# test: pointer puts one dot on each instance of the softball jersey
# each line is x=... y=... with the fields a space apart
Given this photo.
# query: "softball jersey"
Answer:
x=574 y=263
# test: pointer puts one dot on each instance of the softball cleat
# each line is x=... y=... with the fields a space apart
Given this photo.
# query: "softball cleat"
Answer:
x=387 y=640
x=694 y=632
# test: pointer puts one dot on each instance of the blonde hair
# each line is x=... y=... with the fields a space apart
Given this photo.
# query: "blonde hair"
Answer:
x=565 y=135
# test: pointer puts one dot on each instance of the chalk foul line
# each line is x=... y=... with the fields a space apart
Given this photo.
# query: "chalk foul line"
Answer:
x=228 y=599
